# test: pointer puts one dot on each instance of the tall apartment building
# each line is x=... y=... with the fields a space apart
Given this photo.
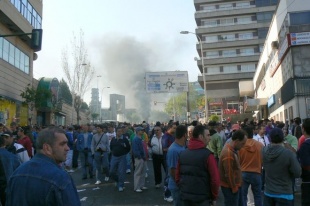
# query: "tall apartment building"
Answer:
x=16 y=56
x=95 y=104
x=233 y=33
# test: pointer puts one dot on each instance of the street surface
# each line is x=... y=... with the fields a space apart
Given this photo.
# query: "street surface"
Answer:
x=107 y=194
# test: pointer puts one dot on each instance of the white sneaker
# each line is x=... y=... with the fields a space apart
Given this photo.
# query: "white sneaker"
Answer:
x=157 y=186
x=143 y=188
x=121 y=189
x=146 y=175
x=128 y=171
x=168 y=199
x=138 y=190
x=71 y=171
x=106 y=179
x=98 y=182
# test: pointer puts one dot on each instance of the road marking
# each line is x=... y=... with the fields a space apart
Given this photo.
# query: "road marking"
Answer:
x=83 y=199
x=97 y=188
x=81 y=190
x=85 y=184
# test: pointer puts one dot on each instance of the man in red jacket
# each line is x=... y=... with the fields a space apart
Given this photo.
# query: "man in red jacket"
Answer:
x=197 y=174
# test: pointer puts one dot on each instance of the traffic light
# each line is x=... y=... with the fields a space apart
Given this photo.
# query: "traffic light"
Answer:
x=36 y=39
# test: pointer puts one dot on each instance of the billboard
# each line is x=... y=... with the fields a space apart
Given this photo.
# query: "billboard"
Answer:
x=166 y=82
x=300 y=38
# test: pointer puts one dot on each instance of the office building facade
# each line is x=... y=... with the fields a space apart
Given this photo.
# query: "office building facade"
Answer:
x=232 y=35
x=16 y=56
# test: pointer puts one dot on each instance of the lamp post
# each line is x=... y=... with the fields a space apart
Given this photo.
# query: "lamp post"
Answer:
x=101 y=103
x=203 y=72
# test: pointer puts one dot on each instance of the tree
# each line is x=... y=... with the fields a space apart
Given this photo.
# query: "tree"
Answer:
x=180 y=103
x=214 y=117
x=35 y=98
x=65 y=92
x=78 y=72
x=84 y=106
x=94 y=116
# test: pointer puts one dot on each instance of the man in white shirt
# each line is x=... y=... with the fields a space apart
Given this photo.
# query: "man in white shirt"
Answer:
x=261 y=137
x=158 y=155
x=15 y=148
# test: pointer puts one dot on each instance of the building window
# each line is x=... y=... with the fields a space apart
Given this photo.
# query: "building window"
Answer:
x=213 y=70
x=227 y=37
x=244 y=20
x=262 y=32
x=12 y=55
x=260 y=3
x=230 y=69
x=26 y=9
x=243 y=4
x=209 y=23
x=212 y=54
x=225 y=7
x=247 y=51
x=264 y=16
x=248 y=67
x=300 y=18
x=210 y=39
x=233 y=105
x=208 y=8
x=290 y=112
x=229 y=53
x=224 y=22
x=248 y=35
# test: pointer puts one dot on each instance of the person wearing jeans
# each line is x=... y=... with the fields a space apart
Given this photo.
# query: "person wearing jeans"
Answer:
x=250 y=157
x=100 y=150
x=119 y=147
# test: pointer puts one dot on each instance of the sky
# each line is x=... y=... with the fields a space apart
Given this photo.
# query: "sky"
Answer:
x=124 y=39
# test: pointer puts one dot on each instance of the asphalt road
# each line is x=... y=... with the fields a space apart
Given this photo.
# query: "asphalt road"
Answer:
x=107 y=194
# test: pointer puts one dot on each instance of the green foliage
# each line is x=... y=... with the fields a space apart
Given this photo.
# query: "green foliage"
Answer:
x=196 y=101
x=36 y=97
x=84 y=106
x=65 y=92
x=94 y=116
x=214 y=117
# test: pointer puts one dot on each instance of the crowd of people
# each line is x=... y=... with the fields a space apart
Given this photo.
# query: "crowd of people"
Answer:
x=191 y=162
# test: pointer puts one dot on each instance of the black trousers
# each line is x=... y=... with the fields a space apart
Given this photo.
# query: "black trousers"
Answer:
x=158 y=161
x=305 y=191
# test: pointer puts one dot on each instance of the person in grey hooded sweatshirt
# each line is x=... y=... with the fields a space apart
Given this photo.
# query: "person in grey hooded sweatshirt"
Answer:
x=281 y=166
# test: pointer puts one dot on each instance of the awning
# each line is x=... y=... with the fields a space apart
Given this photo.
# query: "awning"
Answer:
x=253 y=104
x=246 y=88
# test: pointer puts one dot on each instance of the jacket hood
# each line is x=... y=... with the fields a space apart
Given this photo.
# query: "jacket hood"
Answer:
x=272 y=152
x=250 y=145
x=195 y=144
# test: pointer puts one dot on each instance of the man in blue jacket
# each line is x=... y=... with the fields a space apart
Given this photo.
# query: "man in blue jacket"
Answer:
x=83 y=145
x=41 y=181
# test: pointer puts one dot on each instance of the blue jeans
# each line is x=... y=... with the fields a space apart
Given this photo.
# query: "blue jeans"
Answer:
x=118 y=169
x=176 y=197
x=128 y=160
x=230 y=198
x=255 y=180
x=101 y=161
x=272 y=201
x=86 y=159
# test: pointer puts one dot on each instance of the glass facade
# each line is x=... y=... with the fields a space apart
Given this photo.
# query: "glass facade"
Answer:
x=260 y=3
x=300 y=18
x=12 y=55
x=26 y=9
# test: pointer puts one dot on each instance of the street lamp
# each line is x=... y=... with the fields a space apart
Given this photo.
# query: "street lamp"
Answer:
x=101 y=102
x=203 y=72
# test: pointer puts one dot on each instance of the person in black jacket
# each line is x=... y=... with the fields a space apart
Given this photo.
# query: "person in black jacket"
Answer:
x=119 y=147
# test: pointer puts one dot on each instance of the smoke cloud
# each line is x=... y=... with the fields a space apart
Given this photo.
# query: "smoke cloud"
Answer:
x=125 y=61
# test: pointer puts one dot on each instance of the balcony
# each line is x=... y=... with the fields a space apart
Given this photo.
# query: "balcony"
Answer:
x=233 y=27
x=227 y=60
x=230 y=43
x=234 y=11
x=225 y=77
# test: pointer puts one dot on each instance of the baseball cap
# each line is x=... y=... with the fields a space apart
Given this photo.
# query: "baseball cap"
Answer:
x=235 y=127
x=139 y=129
x=7 y=134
